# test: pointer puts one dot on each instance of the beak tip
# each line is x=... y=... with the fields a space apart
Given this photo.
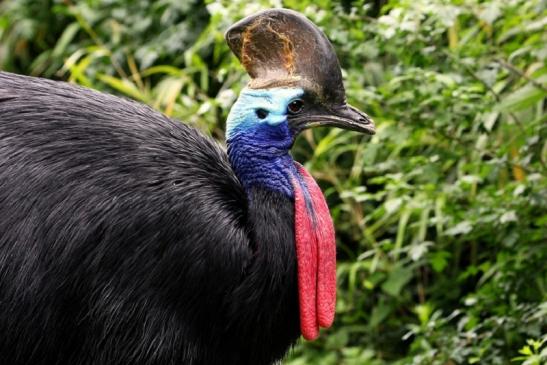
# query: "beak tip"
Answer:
x=362 y=121
x=370 y=126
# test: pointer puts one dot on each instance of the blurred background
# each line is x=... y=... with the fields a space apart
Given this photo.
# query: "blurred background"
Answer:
x=441 y=217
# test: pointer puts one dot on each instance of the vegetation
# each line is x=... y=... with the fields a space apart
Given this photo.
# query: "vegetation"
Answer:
x=441 y=216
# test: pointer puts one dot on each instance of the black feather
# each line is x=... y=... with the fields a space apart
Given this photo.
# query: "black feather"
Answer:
x=126 y=238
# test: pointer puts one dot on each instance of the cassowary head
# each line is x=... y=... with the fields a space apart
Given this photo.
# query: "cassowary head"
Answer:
x=296 y=78
x=296 y=83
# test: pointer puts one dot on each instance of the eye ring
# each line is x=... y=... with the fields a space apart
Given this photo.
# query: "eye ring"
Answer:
x=261 y=113
x=295 y=106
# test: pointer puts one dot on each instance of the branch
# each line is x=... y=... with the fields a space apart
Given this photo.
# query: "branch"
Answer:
x=520 y=73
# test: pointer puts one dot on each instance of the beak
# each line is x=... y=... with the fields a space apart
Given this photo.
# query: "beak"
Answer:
x=345 y=117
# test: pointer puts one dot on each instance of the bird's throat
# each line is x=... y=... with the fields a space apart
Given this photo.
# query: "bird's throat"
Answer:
x=258 y=163
x=313 y=227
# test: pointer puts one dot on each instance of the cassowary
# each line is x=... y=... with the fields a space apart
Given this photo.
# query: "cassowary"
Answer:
x=130 y=238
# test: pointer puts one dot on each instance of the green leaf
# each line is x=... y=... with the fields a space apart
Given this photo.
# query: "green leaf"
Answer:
x=65 y=39
x=379 y=313
x=396 y=280
x=123 y=85
x=523 y=98
x=463 y=227
x=439 y=260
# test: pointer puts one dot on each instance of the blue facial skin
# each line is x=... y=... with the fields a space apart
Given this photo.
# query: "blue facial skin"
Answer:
x=259 y=139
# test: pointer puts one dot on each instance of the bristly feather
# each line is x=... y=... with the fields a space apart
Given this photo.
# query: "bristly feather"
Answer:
x=126 y=238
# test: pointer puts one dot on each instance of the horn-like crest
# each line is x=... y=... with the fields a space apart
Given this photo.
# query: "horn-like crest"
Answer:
x=280 y=47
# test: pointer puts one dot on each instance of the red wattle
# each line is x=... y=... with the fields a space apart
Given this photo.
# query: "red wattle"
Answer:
x=316 y=255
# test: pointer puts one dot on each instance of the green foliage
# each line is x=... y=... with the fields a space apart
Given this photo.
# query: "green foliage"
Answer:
x=534 y=353
x=441 y=216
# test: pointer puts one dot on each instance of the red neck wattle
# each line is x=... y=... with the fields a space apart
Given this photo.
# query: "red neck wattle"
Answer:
x=316 y=255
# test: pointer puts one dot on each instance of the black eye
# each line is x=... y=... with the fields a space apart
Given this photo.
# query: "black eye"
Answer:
x=261 y=113
x=295 y=106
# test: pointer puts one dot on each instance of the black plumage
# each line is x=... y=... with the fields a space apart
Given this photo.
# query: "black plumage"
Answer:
x=126 y=238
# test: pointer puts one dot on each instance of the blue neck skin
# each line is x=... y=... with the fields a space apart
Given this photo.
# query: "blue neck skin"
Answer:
x=258 y=145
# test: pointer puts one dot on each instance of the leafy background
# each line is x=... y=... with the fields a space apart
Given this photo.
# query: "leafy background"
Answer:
x=441 y=216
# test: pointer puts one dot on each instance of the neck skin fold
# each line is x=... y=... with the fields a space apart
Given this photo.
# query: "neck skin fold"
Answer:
x=258 y=149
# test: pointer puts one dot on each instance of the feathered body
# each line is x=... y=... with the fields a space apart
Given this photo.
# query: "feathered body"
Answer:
x=127 y=238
